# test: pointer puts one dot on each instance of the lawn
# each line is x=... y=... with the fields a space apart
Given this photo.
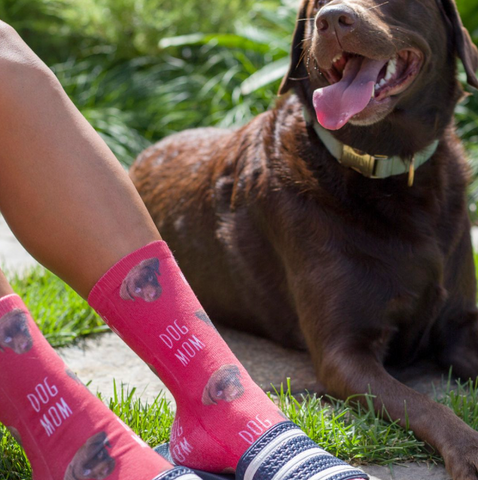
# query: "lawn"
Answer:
x=354 y=434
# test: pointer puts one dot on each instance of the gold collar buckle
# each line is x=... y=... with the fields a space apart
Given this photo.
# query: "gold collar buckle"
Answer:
x=361 y=162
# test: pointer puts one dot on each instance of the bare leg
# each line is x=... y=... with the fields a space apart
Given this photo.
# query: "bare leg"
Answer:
x=5 y=288
x=62 y=191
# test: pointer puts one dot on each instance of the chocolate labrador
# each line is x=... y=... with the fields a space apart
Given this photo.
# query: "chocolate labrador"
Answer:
x=223 y=385
x=337 y=221
x=142 y=282
x=92 y=461
x=14 y=333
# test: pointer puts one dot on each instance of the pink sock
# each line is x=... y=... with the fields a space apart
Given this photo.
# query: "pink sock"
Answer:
x=224 y=421
x=67 y=433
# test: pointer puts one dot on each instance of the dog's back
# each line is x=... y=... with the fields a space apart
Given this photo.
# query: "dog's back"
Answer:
x=203 y=189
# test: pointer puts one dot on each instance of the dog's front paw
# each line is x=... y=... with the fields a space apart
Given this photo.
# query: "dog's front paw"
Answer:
x=461 y=460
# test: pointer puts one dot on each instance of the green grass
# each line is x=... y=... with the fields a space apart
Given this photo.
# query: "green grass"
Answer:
x=357 y=435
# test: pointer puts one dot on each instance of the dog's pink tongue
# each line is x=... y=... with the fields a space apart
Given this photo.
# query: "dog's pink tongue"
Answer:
x=337 y=103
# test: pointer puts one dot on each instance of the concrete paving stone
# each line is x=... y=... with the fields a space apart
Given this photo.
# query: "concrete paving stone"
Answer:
x=13 y=257
x=408 y=471
x=106 y=357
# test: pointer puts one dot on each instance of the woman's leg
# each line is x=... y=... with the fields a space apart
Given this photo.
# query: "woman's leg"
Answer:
x=62 y=191
x=74 y=208
x=67 y=433
x=5 y=287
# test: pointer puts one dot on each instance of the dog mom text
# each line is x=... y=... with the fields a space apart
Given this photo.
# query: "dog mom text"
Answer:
x=188 y=347
x=55 y=411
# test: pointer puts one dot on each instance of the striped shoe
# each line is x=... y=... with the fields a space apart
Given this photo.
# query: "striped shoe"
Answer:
x=285 y=452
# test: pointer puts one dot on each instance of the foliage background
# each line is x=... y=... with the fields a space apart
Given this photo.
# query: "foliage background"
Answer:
x=142 y=69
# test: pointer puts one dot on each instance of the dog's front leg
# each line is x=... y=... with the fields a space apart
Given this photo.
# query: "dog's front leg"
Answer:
x=347 y=370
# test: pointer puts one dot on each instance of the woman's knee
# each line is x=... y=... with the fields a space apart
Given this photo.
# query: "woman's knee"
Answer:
x=17 y=59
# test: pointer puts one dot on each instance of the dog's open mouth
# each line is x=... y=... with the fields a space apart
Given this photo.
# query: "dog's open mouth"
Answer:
x=357 y=82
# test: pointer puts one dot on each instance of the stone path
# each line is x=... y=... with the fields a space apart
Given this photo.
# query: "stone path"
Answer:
x=102 y=359
x=12 y=255
x=105 y=358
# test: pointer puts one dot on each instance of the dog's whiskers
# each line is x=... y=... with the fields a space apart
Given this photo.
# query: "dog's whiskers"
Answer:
x=377 y=6
x=298 y=79
x=306 y=39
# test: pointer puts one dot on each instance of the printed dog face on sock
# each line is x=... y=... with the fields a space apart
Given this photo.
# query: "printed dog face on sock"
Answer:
x=202 y=315
x=14 y=332
x=142 y=282
x=75 y=377
x=224 y=384
x=92 y=461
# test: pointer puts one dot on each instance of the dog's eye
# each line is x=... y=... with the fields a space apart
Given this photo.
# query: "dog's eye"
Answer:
x=7 y=339
x=86 y=471
x=150 y=278
x=137 y=290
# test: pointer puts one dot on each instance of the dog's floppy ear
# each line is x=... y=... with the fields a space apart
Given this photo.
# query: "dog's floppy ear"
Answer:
x=465 y=48
x=296 y=51
x=151 y=263
x=124 y=292
x=99 y=438
x=233 y=370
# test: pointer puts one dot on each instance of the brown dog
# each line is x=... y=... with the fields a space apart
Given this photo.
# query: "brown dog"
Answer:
x=14 y=332
x=279 y=238
x=142 y=282
x=92 y=460
x=224 y=384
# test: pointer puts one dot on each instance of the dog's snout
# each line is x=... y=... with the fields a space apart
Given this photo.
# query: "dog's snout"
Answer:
x=336 y=19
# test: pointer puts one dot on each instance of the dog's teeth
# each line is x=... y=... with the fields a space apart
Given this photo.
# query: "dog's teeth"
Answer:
x=391 y=69
x=337 y=58
x=382 y=82
x=373 y=93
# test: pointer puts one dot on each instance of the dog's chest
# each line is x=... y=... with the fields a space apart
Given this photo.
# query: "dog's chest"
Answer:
x=414 y=298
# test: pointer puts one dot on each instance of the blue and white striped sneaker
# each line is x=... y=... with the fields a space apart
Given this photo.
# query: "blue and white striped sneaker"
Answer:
x=284 y=452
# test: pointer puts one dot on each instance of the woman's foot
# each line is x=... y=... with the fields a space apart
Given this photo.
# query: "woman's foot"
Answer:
x=224 y=421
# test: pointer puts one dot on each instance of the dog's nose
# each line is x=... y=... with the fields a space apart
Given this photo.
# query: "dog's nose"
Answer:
x=336 y=19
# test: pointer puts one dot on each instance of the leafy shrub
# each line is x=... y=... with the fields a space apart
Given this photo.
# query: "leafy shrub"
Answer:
x=142 y=69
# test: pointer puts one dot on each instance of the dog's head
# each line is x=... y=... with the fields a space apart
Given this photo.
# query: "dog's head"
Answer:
x=92 y=460
x=14 y=332
x=224 y=384
x=142 y=282
x=359 y=62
